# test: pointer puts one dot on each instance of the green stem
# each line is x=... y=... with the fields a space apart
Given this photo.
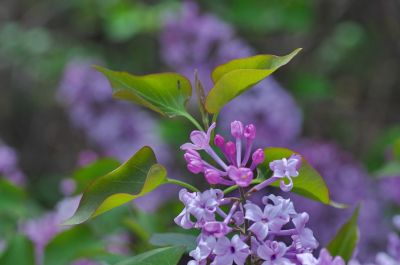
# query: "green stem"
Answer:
x=182 y=184
x=193 y=120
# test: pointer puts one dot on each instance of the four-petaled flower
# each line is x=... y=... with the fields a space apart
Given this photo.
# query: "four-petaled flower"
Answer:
x=228 y=251
x=286 y=168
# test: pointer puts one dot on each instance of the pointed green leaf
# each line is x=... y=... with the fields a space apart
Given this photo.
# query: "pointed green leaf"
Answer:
x=174 y=239
x=236 y=76
x=75 y=243
x=134 y=178
x=308 y=183
x=167 y=256
x=165 y=93
x=20 y=251
x=346 y=239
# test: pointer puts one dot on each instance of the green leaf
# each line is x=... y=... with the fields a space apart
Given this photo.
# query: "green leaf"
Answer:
x=390 y=169
x=85 y=175
x=75 y=243
x=167 y=256
x=165 y=93
x=174 y=239
x=236 y=76
x=346 y=239
x=134 y=178
x=20 y=251
x=308 y=183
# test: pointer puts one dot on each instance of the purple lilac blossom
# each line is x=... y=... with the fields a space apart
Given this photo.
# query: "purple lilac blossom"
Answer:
x=348 y=183
x=9 y=165
x=191 y=40
x=239 y=167
x=273 y=234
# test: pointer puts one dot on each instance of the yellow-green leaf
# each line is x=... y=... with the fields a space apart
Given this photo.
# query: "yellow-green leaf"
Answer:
x=236 y=76
x=134 y=178
x=165 y=93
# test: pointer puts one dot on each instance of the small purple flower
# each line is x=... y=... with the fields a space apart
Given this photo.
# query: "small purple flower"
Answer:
x=229 y=251
x=200 y=140
x=273 y=253
x=260 y=218
x=216 y=229
x=279 y=211
x=304 y=238
x=286 y=168
x=203 y=251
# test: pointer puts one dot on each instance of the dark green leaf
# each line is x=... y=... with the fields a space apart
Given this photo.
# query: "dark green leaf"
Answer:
x=308 y=183
x=236 y=76
x=135 y=178
x=165 y=93
x=174 y=239
x=346 y=239
x=165 y=256
x=75 y=243
x=19 y=251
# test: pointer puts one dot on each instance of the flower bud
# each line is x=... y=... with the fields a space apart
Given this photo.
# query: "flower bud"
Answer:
x=250 y=132
x=219 y=141
x=212 y=176
x=230 y=148
x=237 y=129
x=191 y=155
x=258 y=156
x=195 y=166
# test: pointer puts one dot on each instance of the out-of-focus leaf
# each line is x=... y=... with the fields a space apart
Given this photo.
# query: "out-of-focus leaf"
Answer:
x=75 y=243
x=165 y=93
x=19 y=251
x=236 y=76
x=134 y=178
x=346 y=239
x=168 y=255
x=174 y=239
x=85 y=175
x=391 y=169
x=308 y=183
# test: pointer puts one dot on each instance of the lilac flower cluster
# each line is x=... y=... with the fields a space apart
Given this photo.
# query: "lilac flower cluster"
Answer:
x=270 y=234
x=9 y=165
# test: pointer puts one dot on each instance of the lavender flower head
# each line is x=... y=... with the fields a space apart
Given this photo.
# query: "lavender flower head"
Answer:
x=9 y=165
x=271 y=234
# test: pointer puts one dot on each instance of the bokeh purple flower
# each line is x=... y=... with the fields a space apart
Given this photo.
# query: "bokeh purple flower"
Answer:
x=9 y=165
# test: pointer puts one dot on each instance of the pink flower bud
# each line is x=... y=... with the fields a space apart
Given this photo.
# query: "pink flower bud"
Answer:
x=191 y=155
x=212 y=176
x=250 y=132
x=258 y=156
x=195 y=166
x=219 y=141
x=230 y=148
x=237 y=129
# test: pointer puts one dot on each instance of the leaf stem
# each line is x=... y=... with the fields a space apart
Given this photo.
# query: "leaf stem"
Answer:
x=182 y=184
x=193 y=120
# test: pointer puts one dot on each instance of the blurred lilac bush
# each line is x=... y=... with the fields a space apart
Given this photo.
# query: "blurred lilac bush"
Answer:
x=111 y=126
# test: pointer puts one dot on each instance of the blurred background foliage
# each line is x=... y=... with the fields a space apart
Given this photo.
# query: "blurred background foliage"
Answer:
x=345 y=80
